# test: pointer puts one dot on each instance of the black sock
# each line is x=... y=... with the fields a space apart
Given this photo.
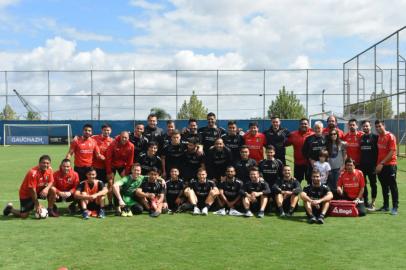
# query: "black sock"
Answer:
x=291 y=210
x=246 y=210
x=280 y=208
x=207 y=205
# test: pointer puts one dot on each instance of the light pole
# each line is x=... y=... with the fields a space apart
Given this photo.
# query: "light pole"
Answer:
x=98 y=107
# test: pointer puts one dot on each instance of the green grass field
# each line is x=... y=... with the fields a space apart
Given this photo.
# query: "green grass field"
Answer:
x=182 y=241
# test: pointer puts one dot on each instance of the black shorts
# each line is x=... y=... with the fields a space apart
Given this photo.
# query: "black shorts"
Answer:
x=69 y=199
x=81 y=172
x=26 y=205
x=300 y=172
x=93 y=206
x=101 y=175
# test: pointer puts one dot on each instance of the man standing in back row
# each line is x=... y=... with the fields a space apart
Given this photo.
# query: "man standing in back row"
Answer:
x=84 y=148
x=387 y=167
x=277 y=136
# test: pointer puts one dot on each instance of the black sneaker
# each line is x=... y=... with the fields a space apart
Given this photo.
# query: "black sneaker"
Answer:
x=52 y=212
x=7 y=209
x=320 y=220
x=72 y=208
x=109 y=207
x=282 y=214
x=383 y=209
x=311 y=220
x=154 y=214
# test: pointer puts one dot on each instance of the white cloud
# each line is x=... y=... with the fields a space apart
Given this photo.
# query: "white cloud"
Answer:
x=301 y=62
x=5 y=3
x=146 y=5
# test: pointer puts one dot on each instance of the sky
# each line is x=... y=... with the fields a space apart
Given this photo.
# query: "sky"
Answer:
x=185 y=35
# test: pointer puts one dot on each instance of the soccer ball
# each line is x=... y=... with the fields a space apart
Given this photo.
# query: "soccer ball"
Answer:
x=43 y=214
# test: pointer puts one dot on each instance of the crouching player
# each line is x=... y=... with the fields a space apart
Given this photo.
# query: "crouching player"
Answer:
x=65 y=182
x=90 y=194
x=255 y=194
x=351 y=185
x=286 y=192
x=201 y=193
x=174 y=192
x=151 y=193
x=124 y=191
x=230 y=194
x=36 y=185
x=316 y=199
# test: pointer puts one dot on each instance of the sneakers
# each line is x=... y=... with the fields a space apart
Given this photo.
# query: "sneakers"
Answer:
x=261 y=214
x=101 y=214
x=129 y=213
x=320 y=220
x=85 y=214
x=72 y=208
x=235 y=213
x=154 y=214
x=205 y=211
x=221 y=212
x=196 y=211
x=52 y=213
x=184 y=207
x=383 y=209
x=394 y=211
x=311 y=220
x=7 y=209
x=371 y=208
x=282 y=214
x=248 y=214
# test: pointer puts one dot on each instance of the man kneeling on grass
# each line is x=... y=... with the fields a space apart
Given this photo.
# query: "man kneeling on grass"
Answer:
x=351 y=185
x=151 y=194
x=316 y=199
x=125 y=192
x=255 y=194
x=201 y=193
x=36 y=185
x=286 y=192
x=91 y=193
x=65 y=182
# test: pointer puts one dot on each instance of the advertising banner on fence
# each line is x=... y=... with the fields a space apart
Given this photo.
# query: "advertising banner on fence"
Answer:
x=10 y=140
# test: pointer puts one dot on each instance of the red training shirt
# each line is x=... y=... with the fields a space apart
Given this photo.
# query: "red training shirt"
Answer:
x=37 y=179
x=297 y=139
x=103 y=143
x=386 y=142
x=67 y=182
x=326 y=130
x=351 y=182
x=256 y=145
x=84 y=150
x=119 y=155
x=353 y=145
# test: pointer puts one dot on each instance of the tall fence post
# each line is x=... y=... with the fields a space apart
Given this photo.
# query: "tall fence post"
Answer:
x=176 y=94
x=307 y=92
x=6 y=86
x=264 y=101
x=133 y=96
x=217 y=93
x=91 y=94
x=49 y=96
x=397 y=90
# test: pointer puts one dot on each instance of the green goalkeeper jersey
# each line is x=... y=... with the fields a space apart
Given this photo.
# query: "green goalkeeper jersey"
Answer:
x=128 y=185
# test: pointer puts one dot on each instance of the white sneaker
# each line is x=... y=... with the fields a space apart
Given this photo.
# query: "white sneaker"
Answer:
x=221 y=212
x=196 y=211
x=235 y=213
x=249 y=214
x=205 y=211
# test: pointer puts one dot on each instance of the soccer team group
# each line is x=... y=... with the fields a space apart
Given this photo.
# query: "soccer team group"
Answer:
x=207 y=169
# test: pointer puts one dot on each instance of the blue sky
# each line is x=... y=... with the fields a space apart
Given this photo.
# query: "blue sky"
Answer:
x=191 y=34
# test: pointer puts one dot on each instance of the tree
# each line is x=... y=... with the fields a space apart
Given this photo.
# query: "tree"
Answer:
x=8 y=113
x=160 y=113
x=192 y=109
x=286 y=106
x=379 y=106
x=33 y=116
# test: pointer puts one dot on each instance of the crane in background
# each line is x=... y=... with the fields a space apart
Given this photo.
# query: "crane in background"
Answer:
x=33 y=113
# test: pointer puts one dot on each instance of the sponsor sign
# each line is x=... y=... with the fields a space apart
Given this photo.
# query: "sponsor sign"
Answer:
x=27 y=140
